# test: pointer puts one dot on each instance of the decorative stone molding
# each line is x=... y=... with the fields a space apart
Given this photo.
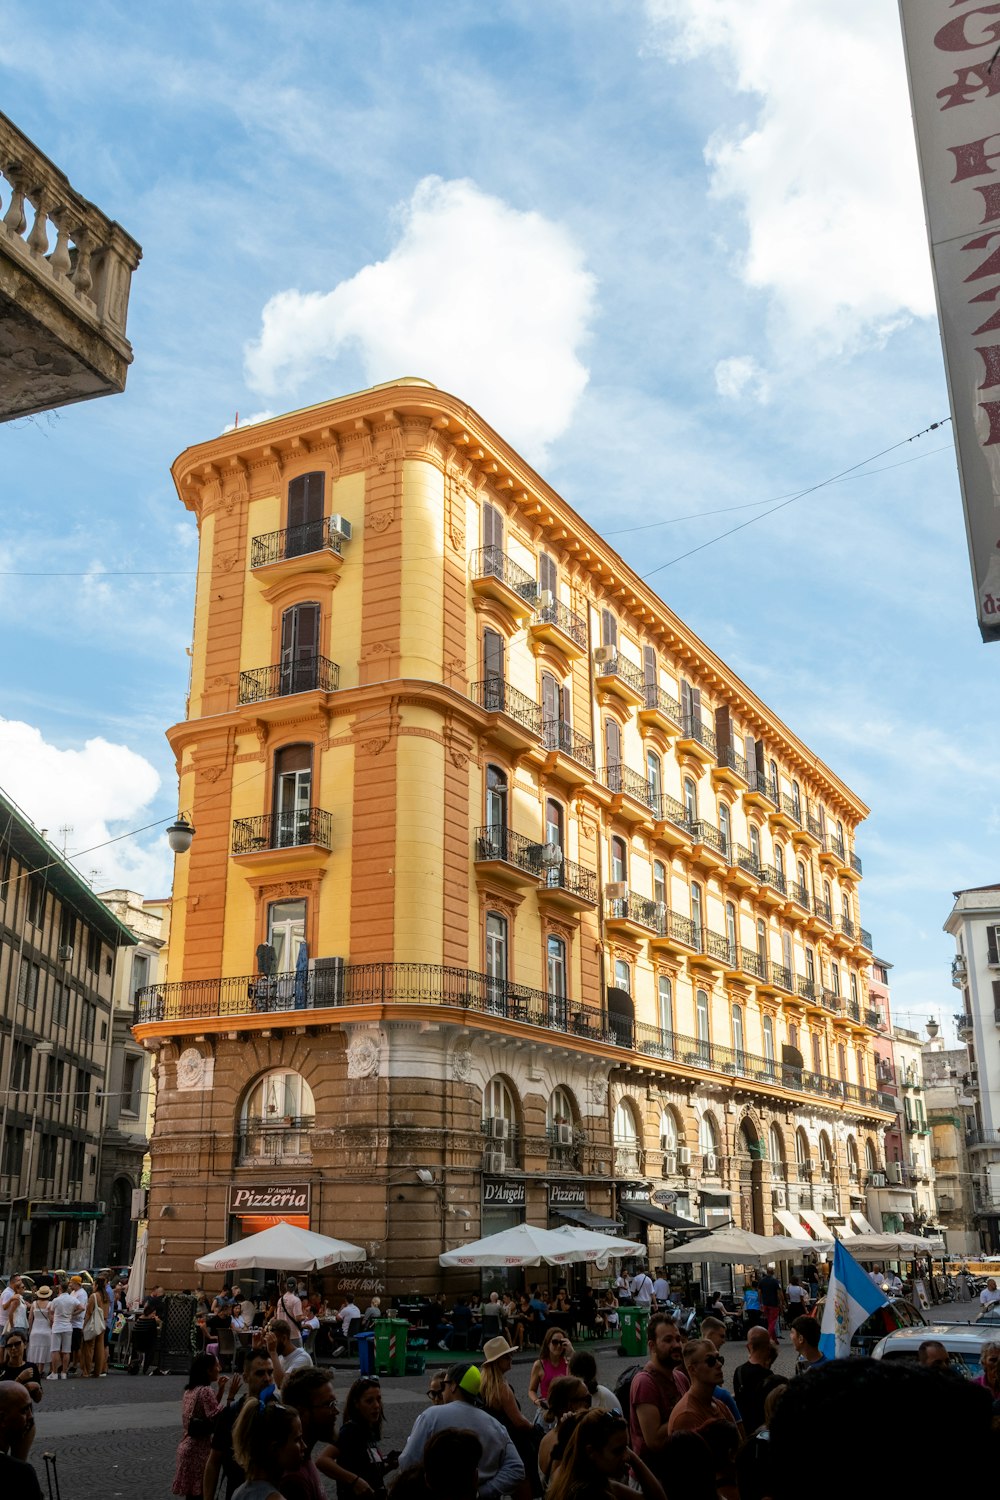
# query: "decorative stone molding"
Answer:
x=195 y=1071
x=364 y=1054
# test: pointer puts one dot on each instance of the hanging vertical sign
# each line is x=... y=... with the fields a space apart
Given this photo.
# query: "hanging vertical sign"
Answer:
x=953 y=63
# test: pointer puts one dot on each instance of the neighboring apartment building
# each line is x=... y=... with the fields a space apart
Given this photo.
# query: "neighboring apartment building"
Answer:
x=58 y=944
x=129 y=1078
x=974 y=923
x=65 y=276
x=950 y=1113
x=508 y=898
x=900 y=1194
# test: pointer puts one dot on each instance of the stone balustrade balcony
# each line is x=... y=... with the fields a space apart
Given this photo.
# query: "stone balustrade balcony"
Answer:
x=65 y=276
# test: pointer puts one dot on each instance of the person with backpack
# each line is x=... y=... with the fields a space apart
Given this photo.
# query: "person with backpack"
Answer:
x=654 y=1391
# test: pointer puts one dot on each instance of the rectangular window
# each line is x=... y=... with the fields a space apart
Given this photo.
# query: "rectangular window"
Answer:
x=76 y=1163
x=89 y=1021
x=131 y=1084
x=47 y=1157
x=13 y=1150
x=93 y=952
x=623 y=975
x=140 y=972
x=67 y=928
x=81 y=1099
x=548 y=575
x=555 y=967
x=36 y=901
x=650 y=673
x=738 y=1040
x=817 y=1050
x=666 y=998
x=609 y=629
x=993 y=945
x=27 y=984
x=4 y=873
x=496 y=946
x=20 y=1071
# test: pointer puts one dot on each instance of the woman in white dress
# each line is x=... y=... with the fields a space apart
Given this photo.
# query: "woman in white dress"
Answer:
x=40 y=1329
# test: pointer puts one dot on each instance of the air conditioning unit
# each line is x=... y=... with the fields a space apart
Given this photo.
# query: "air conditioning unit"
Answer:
x=683 y=1156
x=341 y=527
x=564 y=1135
x=65 y=953
x=495 y=1162
x=617 y=890
x=604 y=655
x=876 y=1179
x=710 y=1163
x=669 y=1162
x=779 y=1198
x=326 y=985
x=546 y=599
x=139 y=1196
x=895 y=1171
x=946 y=1203
x=806 y=1168
x=497 y=1128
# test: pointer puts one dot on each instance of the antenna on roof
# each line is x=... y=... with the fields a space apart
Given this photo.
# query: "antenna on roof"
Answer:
x=65 y=829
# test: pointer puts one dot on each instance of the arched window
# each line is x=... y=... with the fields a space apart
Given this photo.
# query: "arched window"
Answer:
x=762 y=940
x=768 y=1031
x=708 y=1145
x=286 y=929
x=299 y=649
x=690 y=800
x=554 y=823
x=803 y=1156
x=739 y=1041
x=732 y=932
x=697 y=912
x=276 y=1119
x=776 y=1151
x=725 y=827
x=845 y=909
x=797 y=802
x=551 y=707
x=292 y=797
x=853 y=1164
x=755 y=844
x=623 y=975
x=555 y=966
x=835 y=975
x=665 y=997
x=775 y=791
x=702 y=1025
x=779 y=860
x=659 y=882
x=668 y=1132
x=827 y=899
x=801 y=869
x=619 y=860
x=558 y=1111
x=496 y=942
x=498 y=1104
x=871 y=1157
x=654 y=775
x=496 y=799
x=854 y=987
x=825 y=1157
x=626 y=1140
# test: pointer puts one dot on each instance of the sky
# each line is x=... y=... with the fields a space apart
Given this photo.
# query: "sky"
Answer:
x=673 y=250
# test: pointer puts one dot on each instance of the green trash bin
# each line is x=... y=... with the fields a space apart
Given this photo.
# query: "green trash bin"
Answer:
x=390 y=1345
x=634 y=1324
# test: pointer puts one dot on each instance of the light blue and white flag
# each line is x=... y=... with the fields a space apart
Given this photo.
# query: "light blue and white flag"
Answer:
x=851 y=1297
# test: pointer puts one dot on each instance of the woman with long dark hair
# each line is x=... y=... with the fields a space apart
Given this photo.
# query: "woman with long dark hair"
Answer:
x=596 y=1461
x=267 y=1443
x=357 y=1445
x=201 y=1402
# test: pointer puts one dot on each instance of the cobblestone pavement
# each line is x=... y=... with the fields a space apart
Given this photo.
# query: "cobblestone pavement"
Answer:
x=117 y=1437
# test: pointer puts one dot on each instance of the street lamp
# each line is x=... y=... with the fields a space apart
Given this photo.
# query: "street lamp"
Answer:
x=180 y=834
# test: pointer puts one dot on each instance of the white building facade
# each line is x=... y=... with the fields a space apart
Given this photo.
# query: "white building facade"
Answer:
x=974 y=923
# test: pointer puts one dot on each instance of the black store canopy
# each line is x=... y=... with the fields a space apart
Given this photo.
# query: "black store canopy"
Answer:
x=647 y=1214
x=587 y=1220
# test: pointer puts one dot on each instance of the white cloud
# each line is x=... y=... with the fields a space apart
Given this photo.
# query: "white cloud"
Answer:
x=258 y=416
x=740 y=376
x=96 y=791
x=481 y=298
x=825 y=173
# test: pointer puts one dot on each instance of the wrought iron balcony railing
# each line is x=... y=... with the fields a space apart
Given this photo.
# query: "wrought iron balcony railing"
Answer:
x=692 y=728
x=625 y=782
x=464 y=989
x=295 y=541
x=791 y=808
x=823 y=910
x=847 y=927
x=283 y=830
x=753 y=963
x=711 y=838
x=558 y=735
x=773 y=878
x=274 y=1139
x=799 y=895
x=866 y=938
x=873 y=1018
x=743 y=859
x=836 y=846
x=306 y=674
x=620 y=666
x=781 y=975
x=497 y=696
x=809 y=989
x=815 y=827
x=573 y=879
x=856 y=864
x=633 y=908
x=667 y=809
x=662 y=702
x=565 y=619
x=670 y=924
x=732 y=759
x=509 y=848
x=762 y=784
x=493 y=562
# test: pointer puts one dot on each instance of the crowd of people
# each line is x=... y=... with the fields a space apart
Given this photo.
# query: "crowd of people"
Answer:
x=62 y=1327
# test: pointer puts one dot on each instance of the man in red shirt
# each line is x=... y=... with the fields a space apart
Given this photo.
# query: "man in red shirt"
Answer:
x=699 y=1405
x=654 y=1391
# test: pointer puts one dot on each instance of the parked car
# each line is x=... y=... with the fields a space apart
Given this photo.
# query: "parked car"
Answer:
x=895 y=1315
x=963 y=1341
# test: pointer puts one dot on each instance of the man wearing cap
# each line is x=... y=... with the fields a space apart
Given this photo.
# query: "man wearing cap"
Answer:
x=500 y=1468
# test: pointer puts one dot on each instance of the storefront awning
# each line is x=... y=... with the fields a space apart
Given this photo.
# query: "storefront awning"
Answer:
x=647 y=1214
x=789 y=1223
x=815 y=1222
x=586 y=1219
x=861 y=1224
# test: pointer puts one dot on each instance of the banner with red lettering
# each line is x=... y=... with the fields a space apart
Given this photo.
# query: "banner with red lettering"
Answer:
x=953 y=60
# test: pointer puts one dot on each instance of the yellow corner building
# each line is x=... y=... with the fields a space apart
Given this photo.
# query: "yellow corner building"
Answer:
x=508 y=899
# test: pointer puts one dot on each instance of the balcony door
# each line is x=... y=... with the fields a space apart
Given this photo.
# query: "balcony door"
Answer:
x=494 y=661
x=299 y=648
x=612 y=750
x=292 y=796
x=305 y=515
x=286 y=929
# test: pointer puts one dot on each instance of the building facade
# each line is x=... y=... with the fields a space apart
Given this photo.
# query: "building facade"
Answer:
x=507 y=898
x=58 y=945
x=974 y=923
x=129 y=1079
x=951 y=1115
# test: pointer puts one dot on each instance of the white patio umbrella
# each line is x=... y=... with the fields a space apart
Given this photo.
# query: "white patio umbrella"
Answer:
x=283 y=1247
x=738 y=1247
x=524 y=1245
x=591 y=1246
x=893 y=1246
x=136 y=1289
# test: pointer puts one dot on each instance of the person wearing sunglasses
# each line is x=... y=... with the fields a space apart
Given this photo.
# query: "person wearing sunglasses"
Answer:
x=552 y=1363
x=16 y=1366
x=435 y=1389
x=699 y=1405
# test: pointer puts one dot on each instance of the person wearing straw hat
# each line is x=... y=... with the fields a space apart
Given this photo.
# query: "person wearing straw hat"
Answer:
x=499 y=1400
x=40 y=1328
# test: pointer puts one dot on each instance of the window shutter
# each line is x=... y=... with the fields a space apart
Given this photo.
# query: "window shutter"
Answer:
x=564 y=701
x=548 y=574
x=723 y=730
x=993 y=945
x=493 y=654
x=649 y=668
x=996 y=995
x=609 y=628
x=492 y=527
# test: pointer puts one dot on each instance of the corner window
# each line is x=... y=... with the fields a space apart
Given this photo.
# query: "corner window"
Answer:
x=276 y=1119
